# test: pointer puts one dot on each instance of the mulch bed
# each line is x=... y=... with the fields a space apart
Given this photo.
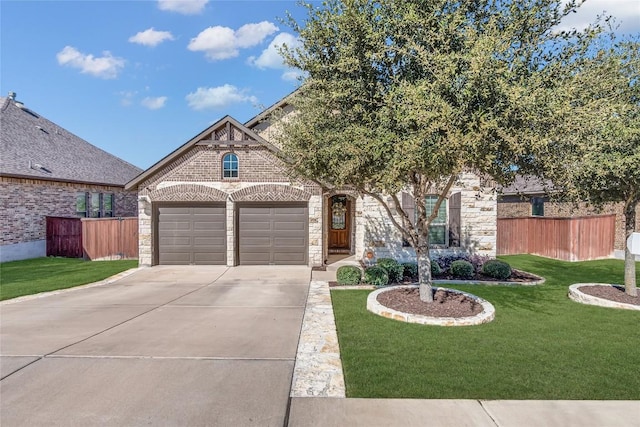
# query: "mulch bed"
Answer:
x=445 y=303
x=517 y=276
x=611 y=293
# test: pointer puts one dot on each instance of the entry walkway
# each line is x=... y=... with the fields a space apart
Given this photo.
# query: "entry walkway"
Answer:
x=163 y=346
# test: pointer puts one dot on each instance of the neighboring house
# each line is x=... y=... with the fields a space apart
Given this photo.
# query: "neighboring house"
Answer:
x=528 y=197
x=224 y=197
x=47 y=171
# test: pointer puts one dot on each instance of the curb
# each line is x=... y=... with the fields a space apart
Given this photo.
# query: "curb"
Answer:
x=102 y=282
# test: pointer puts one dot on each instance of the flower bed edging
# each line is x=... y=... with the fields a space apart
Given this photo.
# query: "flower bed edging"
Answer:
x=576 y=295
x=487 y=315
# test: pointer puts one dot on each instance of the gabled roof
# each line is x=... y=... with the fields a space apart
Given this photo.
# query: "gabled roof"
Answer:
x=266 y=113
x=226 y=131
x=33 y=147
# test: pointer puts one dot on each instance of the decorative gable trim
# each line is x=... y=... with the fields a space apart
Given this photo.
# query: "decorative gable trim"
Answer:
x=188 y=193
x=271 y=193
x=225 y=132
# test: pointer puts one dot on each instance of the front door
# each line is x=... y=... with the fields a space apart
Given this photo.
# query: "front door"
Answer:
x=339 y=224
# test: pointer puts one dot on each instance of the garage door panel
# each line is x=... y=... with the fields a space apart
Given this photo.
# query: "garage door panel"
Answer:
x=192 y=234
x=276 y=234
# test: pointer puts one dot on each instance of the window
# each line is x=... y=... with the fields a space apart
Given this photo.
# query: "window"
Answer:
x=537 y=206
x=230 y=166
x=438 y=227
x=94 y=205
x=338 y=212
x=81 y=205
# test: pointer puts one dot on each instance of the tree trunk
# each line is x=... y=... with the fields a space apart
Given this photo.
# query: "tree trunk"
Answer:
x=629 y=258
x=424 y=273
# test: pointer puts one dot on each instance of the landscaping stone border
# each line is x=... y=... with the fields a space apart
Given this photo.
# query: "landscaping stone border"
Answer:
x=487 y=315
x=576 y=295
x=318 y=368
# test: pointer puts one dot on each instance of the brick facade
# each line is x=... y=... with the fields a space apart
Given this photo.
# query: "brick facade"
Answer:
x=24 y=204
x=194 y=173
x=522 y=208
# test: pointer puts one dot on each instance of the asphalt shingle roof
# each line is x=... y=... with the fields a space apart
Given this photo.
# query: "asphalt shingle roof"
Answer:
x=32 y=146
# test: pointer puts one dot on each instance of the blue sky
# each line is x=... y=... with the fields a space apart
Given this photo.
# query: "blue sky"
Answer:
x=140 y=78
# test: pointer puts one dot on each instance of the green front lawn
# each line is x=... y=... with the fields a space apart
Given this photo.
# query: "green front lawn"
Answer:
x=541 y=345
x=18 y=278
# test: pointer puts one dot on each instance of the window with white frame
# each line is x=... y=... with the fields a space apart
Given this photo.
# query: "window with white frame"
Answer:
x=230 y=166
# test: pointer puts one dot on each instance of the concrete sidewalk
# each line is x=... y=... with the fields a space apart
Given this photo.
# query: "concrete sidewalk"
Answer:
x=329 y=412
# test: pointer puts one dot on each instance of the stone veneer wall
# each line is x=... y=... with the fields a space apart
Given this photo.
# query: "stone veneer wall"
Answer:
x=478 y=219
x=520 y=209
x=24 y=204
x=198 y=172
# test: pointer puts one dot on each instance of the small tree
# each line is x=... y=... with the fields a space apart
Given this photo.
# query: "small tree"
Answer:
x=406 y=95
x=601 y=161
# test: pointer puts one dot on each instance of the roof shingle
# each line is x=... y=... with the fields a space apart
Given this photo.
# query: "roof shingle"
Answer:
x=34 y=147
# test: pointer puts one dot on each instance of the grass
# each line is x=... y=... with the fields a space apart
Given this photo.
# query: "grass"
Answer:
x=18 y=278
x=540 y=346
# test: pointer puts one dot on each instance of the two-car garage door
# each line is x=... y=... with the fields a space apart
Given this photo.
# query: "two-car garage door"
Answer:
x=266 y=234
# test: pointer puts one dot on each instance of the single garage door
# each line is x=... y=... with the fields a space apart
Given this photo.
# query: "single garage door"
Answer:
x=273 y=234
x=192 y=234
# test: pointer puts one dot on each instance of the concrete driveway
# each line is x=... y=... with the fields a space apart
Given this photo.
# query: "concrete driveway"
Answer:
x=166 y=345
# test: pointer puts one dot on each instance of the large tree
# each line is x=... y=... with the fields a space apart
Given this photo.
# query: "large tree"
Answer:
x=407 y=95
x=600 y=162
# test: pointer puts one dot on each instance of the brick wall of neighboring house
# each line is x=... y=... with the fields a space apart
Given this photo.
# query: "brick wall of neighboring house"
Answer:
x=516 y=209
x=24 y=204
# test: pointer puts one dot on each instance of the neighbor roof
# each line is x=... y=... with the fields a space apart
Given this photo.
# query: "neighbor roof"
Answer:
x=525 y=185
x=34 y=147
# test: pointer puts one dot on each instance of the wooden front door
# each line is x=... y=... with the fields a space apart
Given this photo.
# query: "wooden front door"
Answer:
x=339 y=224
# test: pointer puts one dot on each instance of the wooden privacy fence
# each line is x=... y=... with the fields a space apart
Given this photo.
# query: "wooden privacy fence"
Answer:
x=569 y=239
x=92 y=238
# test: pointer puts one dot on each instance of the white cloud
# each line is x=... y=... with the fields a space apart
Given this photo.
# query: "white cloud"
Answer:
x=185 y=7
x=151 y=37
x=270 y=57
x=106 y=66
x=223 y=42
x=154 y=103
x=126 y=97
x=292 y=75
x=252 y=34
x=218 y=97
x=626 y=12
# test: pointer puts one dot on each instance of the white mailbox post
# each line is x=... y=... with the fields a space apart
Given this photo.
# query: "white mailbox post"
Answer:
x=633 y=243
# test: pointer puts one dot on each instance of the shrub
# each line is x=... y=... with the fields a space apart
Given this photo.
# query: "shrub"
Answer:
x=497 y=269
x=410 y=270
x=462 y=268
x=445 y=261
x=435 y=269
x=393 y=268
x=348 y=275
x=478 y=261
x=376 y=276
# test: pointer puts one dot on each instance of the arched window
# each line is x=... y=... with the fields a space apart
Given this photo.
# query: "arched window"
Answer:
x=230 y=166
